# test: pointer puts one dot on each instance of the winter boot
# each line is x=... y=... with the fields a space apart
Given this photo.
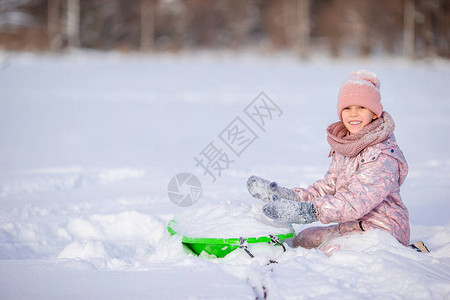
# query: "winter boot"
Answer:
x=419 y=247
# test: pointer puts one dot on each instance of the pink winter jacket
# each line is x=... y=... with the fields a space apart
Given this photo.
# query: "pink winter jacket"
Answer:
x=365 y=189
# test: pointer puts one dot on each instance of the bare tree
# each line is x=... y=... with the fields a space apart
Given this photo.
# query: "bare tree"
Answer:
x=54 y=24
x=359 y=17
x=148 y=12
x=329 y=26
x=408 y=28
x=443 y=28
x=73 y=23
x=303 y=27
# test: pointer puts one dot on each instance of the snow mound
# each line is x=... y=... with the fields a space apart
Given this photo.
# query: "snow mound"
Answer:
x=84 y=250
x=384 y=268
x=125 y=226
x=113 y=241
x=227 y=220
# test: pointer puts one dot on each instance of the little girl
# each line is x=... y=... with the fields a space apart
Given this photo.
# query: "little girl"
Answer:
x=361 y=189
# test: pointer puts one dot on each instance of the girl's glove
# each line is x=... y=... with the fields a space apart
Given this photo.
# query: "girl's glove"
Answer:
x=288 y=212
x=269 y=191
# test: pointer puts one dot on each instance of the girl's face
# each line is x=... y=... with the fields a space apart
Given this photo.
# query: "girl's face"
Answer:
x=356 y=118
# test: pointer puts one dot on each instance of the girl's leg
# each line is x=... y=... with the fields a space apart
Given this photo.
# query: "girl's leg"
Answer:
x=313 y=237
x=321 y=237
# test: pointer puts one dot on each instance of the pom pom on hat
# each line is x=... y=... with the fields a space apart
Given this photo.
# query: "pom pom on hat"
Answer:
x=361 y=88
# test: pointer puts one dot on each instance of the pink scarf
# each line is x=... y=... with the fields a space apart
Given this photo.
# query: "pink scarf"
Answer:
x=351 y=145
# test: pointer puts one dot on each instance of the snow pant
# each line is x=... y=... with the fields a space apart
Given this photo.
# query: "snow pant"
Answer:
x=322 y=237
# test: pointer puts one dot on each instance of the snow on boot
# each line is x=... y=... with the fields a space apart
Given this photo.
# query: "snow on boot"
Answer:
x=288 y=212
x=269 y=191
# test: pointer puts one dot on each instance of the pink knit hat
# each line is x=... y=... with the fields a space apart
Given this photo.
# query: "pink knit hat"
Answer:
x=361 y=88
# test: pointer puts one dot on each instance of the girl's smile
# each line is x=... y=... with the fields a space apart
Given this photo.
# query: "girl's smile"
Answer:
x=356 y=118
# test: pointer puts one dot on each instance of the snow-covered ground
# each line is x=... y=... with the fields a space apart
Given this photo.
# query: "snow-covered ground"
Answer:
x=89 y=143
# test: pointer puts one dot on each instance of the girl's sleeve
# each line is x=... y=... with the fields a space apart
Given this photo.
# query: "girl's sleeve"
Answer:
x=367 y=188
x=322 y=187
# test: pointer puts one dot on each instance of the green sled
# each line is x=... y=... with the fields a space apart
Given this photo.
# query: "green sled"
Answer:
x=220 y=247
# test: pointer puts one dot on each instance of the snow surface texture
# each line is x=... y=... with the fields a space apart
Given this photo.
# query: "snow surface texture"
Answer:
x=227 y=220
x=89 y=143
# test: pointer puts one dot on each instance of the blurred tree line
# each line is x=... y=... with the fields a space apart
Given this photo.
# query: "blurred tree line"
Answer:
x=414 y=28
